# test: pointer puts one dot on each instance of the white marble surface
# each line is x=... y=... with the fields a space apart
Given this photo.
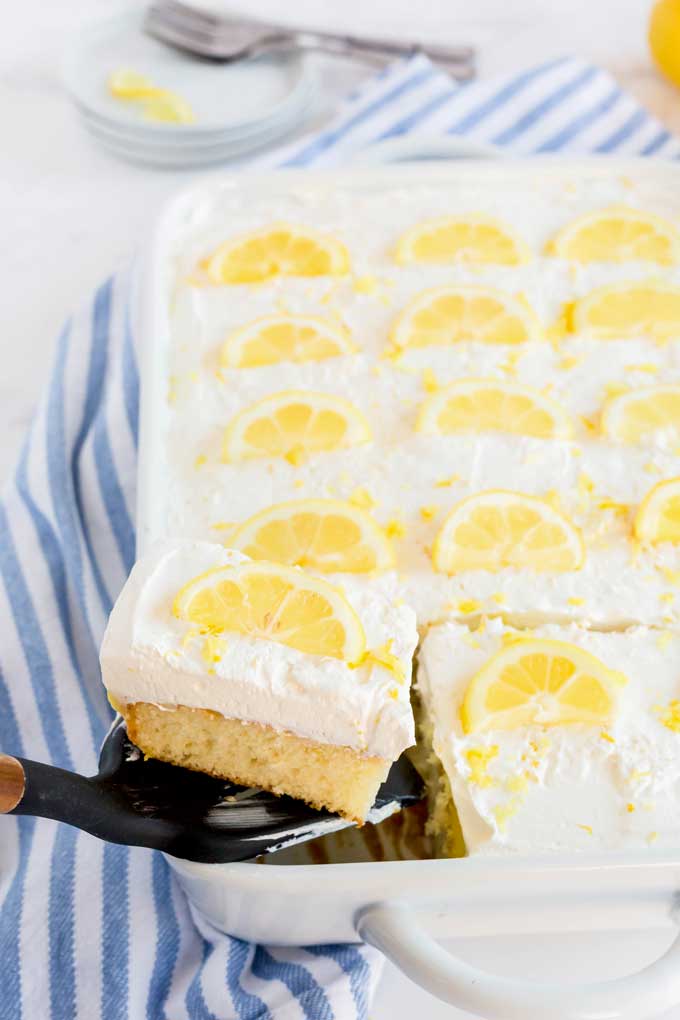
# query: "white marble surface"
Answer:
x=71 y=214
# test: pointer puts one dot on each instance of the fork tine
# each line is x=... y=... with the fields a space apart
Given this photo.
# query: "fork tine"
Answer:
x=199 y=18
x=196 y=15
x=182 y=38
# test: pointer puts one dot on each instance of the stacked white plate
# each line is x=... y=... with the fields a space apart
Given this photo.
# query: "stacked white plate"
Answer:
x=239 y=107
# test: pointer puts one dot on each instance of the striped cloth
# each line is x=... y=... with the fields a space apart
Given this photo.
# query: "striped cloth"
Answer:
x=88 y=930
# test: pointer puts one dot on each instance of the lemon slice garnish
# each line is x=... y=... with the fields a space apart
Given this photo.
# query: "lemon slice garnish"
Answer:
x=275 y=338
x=127 y=84
x=496 y=529
x=641 y=415
x=632 y=309
x=467 y=239
x=449 y=315
x=490 y=405
x=618 y=235
x=156 y=103
x=168 y=107
x=538 y=681
x=323 y=534
x=274 y=603
x=658 y=516
x=293 y=424
x=278 y=250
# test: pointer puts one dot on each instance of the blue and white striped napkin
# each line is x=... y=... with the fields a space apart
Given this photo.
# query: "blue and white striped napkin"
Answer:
x=90 y=931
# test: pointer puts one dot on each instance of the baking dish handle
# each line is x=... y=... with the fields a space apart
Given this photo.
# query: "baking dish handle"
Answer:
x=394 y=929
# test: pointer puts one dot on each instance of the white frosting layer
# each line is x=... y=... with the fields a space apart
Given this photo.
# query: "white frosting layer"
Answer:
x=615 y=586
x=584 y=791
x=145 y=657
x=401 y=470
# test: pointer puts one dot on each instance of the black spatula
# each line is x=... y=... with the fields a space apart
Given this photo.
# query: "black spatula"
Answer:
x=149 y=803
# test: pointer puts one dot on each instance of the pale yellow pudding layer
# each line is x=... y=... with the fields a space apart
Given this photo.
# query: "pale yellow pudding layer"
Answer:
x=606 y=783
x=325 y=776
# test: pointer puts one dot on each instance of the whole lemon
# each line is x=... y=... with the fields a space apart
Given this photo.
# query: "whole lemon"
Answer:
x=664 y=38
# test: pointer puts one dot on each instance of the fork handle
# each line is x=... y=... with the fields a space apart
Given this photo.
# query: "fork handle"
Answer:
x=461 y=57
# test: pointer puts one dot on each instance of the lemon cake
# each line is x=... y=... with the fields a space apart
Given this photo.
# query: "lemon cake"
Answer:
x=470 y=407
x=261 y=674
x=559 y=739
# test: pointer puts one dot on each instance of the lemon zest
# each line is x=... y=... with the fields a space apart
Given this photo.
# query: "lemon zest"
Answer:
x=479 y=759
x=362 y=498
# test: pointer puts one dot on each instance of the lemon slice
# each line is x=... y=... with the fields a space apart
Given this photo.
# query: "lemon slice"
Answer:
x=448 y=315
x=469 y=239
x=490 y=405
x=538 y=681
x=618 y=235
x=274 y=603
x=631 y=309
x=658 y=516
x=292 y=424
x=642 y=415
x=496 y=529
x=324 y=534
x=278 y=250
x=127 y=84
x=168 y=107
x=275 y=338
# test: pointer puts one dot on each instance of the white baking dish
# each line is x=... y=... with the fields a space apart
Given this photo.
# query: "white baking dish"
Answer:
x=403 y=906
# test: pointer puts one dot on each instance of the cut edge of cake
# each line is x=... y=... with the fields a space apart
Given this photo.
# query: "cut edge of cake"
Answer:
x=326 y=776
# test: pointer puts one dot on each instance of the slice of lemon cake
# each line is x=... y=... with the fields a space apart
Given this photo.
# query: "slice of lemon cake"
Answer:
x=556 y=739
x=263 y=674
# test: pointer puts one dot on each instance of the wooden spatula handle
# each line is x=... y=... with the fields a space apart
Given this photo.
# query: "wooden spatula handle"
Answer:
x=12 y=783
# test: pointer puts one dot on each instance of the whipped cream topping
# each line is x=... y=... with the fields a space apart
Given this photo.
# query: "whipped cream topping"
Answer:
x=149 y=655
x=416 y=482
x=415 y=479
x=562 y=787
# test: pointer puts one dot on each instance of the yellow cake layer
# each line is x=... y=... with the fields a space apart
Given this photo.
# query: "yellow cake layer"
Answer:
x=325 y=776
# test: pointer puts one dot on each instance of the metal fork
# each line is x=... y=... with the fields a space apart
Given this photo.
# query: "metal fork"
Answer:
x=226 y=38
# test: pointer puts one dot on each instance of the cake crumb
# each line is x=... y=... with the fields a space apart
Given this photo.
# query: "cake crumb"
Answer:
x=362 y=498
x=443 y=483
x=430 y=382
x=429 y=511
x=649 y=367
x=395 y=528
x=670 y=715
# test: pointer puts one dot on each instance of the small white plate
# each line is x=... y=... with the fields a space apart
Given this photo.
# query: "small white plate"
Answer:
x=138 y=134
x=225 y=97
x=156 y=154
